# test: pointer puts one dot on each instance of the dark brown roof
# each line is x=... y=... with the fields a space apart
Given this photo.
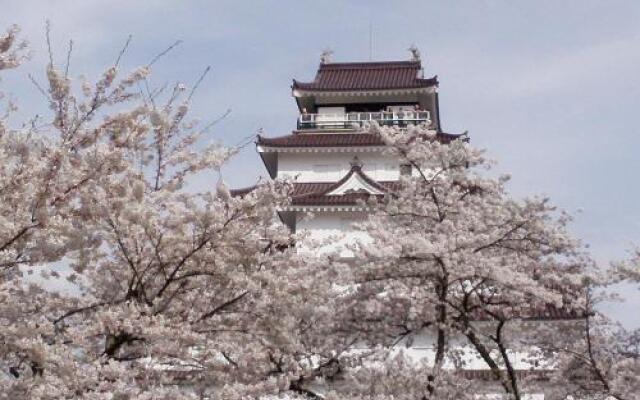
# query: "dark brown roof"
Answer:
x=320 y=188
x=313 y=194
x=488 y=375
x=551 y=312
x=334 y=139
x=348 y=199
x=316 y=193
x=187 y=372
x=548 y=312
x=322 y=140
x=368 y=76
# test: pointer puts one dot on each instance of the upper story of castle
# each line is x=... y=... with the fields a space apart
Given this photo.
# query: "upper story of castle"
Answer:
x=335 y=106
x=348 y=95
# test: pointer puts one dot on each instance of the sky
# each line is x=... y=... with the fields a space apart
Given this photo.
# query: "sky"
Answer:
x=549 y=88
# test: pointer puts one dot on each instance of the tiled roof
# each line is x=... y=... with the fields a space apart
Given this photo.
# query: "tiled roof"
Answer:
x=551 y=312
x=178 y=375
x=318 y=188
x=316 y=193
x=348 y=199
x=298 y=139
x=313 y=194
x=548 y=312
x=322 y=140
x=367 y=76
x=488 y=375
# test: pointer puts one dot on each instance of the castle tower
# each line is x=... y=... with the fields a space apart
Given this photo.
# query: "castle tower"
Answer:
x=331 y=160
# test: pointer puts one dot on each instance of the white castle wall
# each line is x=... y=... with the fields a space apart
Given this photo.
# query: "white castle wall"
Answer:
x=330 y=232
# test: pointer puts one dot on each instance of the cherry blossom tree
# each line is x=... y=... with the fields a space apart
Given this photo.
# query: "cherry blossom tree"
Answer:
x=453 y=253
x=179 y=294
x=604 y=361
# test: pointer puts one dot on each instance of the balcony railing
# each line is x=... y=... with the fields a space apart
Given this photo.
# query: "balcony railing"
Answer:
x=358 y=119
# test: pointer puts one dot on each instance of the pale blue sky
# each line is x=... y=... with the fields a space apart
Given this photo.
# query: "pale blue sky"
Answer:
x=550 y=88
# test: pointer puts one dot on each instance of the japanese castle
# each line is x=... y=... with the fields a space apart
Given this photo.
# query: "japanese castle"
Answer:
x=334 y=163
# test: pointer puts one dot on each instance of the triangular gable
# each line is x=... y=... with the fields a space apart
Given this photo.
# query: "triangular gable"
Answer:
x=353 y=183
x=356 y=183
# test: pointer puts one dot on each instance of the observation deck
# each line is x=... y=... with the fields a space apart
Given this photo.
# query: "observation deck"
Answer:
x=351 y=120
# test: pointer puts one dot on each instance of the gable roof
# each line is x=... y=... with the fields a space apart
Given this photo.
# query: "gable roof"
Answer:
x=320 y=193
x=368 y=76
x=301 y=189
x=356 y=170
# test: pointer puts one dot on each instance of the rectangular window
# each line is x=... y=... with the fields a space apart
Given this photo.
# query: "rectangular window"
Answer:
x=331 y=110
x=331 y=117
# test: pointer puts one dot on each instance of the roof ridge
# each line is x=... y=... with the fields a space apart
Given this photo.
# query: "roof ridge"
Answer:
x=376 y=75
x=327 y=183
x=370 y=64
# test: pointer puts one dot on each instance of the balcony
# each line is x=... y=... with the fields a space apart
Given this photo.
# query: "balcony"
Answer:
x=352 y=120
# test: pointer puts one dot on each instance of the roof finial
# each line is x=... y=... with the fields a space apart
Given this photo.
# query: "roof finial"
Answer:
x=356 y=163
x=325 y=57
x=415 y=53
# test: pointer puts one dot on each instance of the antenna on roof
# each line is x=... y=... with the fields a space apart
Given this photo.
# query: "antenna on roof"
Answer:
x=415 y=53
x=370 y=40
x=325 y=57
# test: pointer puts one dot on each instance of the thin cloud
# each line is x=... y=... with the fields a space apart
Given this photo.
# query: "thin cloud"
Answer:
x=592 y=66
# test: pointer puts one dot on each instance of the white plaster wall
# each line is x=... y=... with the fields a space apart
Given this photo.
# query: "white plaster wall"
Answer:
x=330 y=167
x=330 y=232
x=423 y=348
